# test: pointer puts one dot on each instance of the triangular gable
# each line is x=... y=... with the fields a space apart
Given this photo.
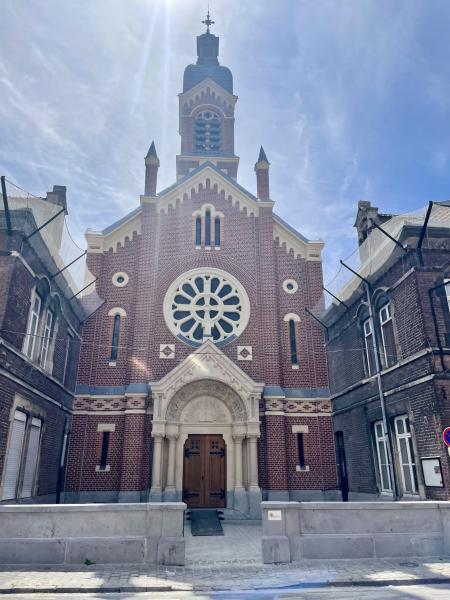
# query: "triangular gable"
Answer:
x=207 y=362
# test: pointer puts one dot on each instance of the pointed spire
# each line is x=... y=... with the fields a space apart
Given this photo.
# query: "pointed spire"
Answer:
x=262 y=156
x=151 y=171
x=152 y=151
x=262 y=176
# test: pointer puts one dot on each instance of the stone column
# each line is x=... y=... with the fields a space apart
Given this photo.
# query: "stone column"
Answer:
x=252 y=462
x=169 y=492
x=238 y=462
x=254 y=491
x=156 y=492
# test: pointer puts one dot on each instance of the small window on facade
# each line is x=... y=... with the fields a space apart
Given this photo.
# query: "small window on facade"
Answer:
x=447 y=292
x=33 y=326
x=369 y=347
x=293 y=342
x=198 y=231
x=115 y=338
x=46 y=339
x=207 y=228
x=301 y=450
x=104 y=450
x=217 y=232
x=406 y=455
x=388 y=353
x=382 y=456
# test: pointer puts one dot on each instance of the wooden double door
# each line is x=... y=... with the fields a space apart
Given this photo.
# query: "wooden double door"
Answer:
x=204 y=471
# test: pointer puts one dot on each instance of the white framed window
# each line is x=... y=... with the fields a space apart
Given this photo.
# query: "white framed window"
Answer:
x=46 y=339
x=22 y=457
x=369 y=346
x=31 y=460
x=406 y=455
x=388 y=350
x=382 y=457
x=14 y=456
x=208 y=227
x=447 y=292
x=33 y=324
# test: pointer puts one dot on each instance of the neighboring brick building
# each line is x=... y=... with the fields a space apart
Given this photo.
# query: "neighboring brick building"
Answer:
x=410 y=304
x=40 y=326
x=202 y=376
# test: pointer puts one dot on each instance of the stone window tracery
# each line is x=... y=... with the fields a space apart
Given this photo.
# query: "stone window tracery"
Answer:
x=206 y=304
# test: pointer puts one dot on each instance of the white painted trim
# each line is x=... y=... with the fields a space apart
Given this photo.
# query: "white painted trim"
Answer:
x=116 y=276
x=111 y=427
x=291 y=317
x=300 y=428
x=117 y=310
x=287 y=282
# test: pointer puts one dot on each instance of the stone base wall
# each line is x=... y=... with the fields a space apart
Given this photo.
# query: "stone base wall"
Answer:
x=332 y=530
x=101 y=533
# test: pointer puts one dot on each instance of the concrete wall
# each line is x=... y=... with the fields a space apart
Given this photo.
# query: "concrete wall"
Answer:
x=102 y=533
x=300 y=530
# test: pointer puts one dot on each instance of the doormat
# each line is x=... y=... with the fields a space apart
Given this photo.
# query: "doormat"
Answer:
x=205 y=521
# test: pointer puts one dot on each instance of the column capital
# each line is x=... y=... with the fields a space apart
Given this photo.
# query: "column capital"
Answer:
x=158 y=435
x=172 y=437
x=238 y=437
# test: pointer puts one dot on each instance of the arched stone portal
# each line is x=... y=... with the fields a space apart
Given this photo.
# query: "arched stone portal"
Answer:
x=207 y=394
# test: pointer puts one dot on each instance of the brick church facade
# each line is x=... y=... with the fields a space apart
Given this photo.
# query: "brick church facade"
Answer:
x=202 y=376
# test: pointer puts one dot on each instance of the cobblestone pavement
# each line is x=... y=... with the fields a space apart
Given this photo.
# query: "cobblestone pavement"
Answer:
x=229 y=562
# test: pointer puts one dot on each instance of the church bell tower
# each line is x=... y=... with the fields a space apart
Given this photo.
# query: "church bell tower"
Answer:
x=206 y=110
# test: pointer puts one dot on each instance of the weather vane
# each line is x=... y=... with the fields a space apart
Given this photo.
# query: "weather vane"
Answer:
x=208 y=22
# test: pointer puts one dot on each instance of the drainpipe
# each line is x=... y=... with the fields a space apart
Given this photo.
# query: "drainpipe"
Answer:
x=62 y=461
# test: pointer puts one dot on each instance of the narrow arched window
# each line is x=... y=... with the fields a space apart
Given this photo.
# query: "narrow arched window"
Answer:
x=293 y=342
x=198 y=231
x=115 y=338
x=217 y=232
x=208 y=228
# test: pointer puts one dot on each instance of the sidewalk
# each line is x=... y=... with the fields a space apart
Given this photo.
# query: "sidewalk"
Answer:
x=231 y=562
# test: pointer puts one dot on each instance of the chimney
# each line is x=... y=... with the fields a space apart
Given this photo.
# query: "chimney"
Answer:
x=58 y=196
x=151 y=171
x=262 y=176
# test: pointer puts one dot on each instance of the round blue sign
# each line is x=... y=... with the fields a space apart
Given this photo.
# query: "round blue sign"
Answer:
x=446 y=436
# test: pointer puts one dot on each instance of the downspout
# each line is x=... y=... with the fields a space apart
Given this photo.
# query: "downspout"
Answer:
x=436 y=326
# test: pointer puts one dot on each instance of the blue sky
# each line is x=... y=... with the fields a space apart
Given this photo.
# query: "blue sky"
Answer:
x=350 y=99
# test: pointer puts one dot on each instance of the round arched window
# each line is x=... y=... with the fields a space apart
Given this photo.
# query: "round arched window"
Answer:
x=206 y=304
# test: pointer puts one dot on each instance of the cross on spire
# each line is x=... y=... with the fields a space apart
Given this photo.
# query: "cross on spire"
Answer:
x=208 y=22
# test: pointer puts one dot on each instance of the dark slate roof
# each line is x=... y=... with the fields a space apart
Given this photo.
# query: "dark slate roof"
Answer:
x=152 y=151
x=194 y=74
x=262 y=156
x=207 y=65
x=291 y=229
x=116 y=224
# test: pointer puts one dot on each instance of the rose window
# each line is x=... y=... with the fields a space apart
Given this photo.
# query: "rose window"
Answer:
x=205 y=305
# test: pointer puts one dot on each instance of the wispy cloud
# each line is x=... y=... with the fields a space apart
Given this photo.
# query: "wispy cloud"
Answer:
x=350 y=100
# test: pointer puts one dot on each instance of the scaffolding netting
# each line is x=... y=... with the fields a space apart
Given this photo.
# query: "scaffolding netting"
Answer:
x=43 y=221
